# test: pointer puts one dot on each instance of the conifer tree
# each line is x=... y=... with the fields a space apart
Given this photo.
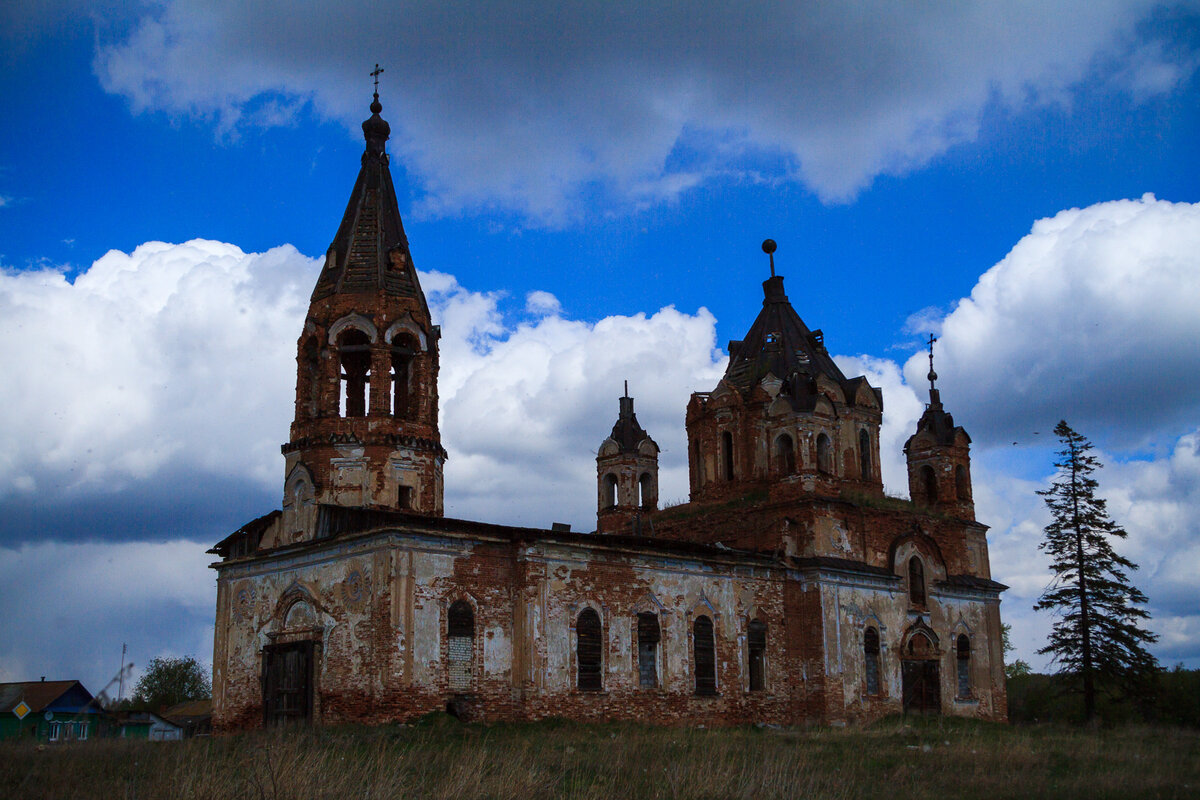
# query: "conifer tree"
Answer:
x=1097 y=640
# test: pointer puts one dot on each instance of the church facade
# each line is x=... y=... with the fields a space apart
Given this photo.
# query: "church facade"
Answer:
x=788 y=590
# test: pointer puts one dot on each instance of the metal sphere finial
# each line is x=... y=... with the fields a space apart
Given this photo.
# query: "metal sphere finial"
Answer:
x=768 y=246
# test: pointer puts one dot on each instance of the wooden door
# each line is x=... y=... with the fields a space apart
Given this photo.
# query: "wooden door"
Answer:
x=287 y=682
x=921 y=687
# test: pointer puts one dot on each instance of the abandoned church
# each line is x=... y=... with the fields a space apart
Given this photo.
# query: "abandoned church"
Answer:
x=788 y=590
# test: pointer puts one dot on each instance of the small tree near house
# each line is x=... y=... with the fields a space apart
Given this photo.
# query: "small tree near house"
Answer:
x=170 y=681
x=1097 y=642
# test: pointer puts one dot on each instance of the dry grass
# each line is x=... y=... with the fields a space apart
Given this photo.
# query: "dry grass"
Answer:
x=441 y=759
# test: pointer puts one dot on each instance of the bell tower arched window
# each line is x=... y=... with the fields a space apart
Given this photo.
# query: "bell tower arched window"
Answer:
x=309 y=386
x=824 y=454
x=785 y=454
x=404 y=350
x=962 y=484
x=610 y=490
x=929 y=484
x=646 y=490
x=916 y=582
x=354 y=353
x=864 y=454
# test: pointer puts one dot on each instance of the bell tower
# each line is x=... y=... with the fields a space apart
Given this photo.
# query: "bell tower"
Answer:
x=365 y=432
x=626 y=474
x=939 y=457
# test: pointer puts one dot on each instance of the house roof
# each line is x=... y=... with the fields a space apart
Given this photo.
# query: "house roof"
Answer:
x=189 y=710
x=46 y=696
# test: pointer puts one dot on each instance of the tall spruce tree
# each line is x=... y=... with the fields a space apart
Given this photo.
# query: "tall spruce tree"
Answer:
x=1097 y=641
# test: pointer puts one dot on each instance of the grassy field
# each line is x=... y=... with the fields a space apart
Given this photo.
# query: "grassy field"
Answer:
x=439 y=758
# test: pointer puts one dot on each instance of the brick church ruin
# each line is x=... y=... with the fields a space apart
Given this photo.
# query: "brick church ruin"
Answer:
x=789 y=589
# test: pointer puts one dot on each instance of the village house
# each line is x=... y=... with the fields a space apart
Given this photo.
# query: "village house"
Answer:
x=789 y=589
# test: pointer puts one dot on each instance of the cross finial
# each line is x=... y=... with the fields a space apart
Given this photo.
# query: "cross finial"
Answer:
x=932 y=375
x=375 y=74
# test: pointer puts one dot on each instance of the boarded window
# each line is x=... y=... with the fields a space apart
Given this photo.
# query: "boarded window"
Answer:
x=757 y=642
x=648 y=638
x=964 y=666
x=461 y=645
x=916 y=582
x=587 y=651
x=704 y=656
x=864 y=454
x=727 y=454
x=785 y=455
x=824 y=454
x=871 y=660
x=354 y=353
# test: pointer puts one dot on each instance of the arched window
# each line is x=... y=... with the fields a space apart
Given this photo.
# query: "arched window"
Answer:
x=697 y=465
x=756 y=641
x=929 y=485
x=704 y=656
x=460 y=634
x=647 y=648
x=785 y=454
x=824 y=454
x=610 y=490
x=962 y=484
x=309 y=389
x=871 y=660
x=864 y=454
x=404 y=349
x=588 y=651
x=916 y=582
x=354 y=354
x=646 y=490
x=727 y=454
x=964 y=665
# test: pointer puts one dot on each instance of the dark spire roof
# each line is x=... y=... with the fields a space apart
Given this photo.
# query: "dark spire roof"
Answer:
x=936 y=421
x=370 y=251
x=779 y=343
x=627 y=433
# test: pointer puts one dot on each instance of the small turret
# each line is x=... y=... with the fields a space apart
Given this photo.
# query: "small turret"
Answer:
x=626 y=475
x=939 y=457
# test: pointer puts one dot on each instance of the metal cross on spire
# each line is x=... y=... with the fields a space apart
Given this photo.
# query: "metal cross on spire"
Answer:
x=375 y=74
x=932 y=375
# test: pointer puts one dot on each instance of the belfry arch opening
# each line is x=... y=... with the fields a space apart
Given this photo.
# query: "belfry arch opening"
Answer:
x=785 y=454
x=309 y=389
x=929 y=485
x=403 y=352
x=824 y=454
x=354 y=356
x=864 y=454
x=727 y=454
x=610 y=490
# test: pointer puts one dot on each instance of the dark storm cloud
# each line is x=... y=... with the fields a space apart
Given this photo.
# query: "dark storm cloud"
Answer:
x=523 y=105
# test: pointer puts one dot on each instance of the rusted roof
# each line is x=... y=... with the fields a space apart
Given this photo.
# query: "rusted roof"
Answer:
x=972 y=582
x=254 y=528
x=189 y=710
x=360 y=258
x=38 y=695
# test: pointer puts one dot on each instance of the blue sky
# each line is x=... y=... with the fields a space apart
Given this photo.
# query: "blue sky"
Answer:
x=586 y=188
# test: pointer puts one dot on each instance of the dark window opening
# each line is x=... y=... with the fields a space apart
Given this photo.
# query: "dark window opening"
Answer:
x=404 y=495
x=727 y=454
x=916 y=582
x=824 y=454
x=871 y=660
x=757 y=641
x=404 y=350
x=864 y=454
x=588 y=651
x=929 y=484
x=646 y=490
x=964 y=666
x=610 y=490
x=354 y=353
x=705 y=656
x=310 y=385
x=460 y=645
x=648 y=638
x=785 y=454
x=962 y=484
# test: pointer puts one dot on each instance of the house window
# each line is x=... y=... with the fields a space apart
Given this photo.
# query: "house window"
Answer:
x=587 y=651
x=864 y=454
x=785 y=454
x=727 y=454
x=964 y=666
x=824 y=454
x=354 y=353
x=704 y=656
x=929 y=485
x=460 y=635
x=757 y=645
x=647 y=643
x=871 y=659
x=916 y=582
